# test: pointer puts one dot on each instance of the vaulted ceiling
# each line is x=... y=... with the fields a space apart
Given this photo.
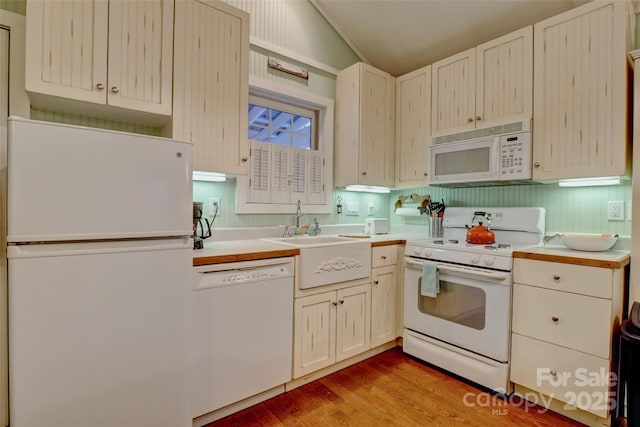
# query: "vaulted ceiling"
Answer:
x=399 y=36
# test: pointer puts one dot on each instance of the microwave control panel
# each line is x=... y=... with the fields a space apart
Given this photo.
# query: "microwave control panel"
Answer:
x=515 y=156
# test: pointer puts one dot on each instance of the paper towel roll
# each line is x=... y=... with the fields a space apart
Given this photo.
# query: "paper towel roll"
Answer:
x=408 y=212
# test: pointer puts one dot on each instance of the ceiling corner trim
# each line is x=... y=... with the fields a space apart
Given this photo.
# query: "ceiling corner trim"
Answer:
x=338 y=30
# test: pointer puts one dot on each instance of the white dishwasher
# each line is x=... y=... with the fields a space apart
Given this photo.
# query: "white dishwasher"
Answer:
x=242 y=331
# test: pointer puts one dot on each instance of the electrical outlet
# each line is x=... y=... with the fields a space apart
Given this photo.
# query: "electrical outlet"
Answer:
x=353 y=208
x=615 y=211
x=214 y=204
x=371 y=209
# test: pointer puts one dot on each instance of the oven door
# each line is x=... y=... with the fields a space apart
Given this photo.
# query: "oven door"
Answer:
x=467 y=161
x=472 y=309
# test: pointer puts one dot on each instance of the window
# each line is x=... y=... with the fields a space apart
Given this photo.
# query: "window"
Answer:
x=282 y=124
x=290 y=133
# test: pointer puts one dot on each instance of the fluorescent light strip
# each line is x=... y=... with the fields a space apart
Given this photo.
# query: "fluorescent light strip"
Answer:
x=209 y=176
x=367 y=189
x=589 y=182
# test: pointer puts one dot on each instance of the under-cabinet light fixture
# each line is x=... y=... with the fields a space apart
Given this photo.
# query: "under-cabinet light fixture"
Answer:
x=209 y=176
x=589 y=182
x=367 y=189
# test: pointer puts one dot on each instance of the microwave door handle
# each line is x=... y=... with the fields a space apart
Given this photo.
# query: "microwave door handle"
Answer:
x=467 y=272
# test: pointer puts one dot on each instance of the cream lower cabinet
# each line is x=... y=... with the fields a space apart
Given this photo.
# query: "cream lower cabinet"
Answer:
x=211 y=84
x=87 y=56
x=384 y=294
x=330 y=327
x=564 y=335
x=582 y=90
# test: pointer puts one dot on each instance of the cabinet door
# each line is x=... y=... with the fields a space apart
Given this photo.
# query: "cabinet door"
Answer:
x=453 y=89
x=580 y=100
x=413 y=127
x=353 y=321
x=314 y=333
x=504 y=79
x=373 y=126
x=211 y=84
x=140 y=55
x=384 y=284
x=66 y=49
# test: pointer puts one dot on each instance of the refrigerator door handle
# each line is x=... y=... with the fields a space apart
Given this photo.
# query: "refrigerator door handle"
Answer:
x=69 y=249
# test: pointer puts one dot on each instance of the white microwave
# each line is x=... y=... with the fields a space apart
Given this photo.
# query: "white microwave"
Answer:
x=493 y=159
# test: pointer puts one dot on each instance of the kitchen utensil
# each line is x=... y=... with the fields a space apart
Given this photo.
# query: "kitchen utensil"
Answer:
x=589 y=242
x=480 y=234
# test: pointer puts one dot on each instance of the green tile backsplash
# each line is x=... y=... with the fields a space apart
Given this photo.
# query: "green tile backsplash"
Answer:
x=581 y=210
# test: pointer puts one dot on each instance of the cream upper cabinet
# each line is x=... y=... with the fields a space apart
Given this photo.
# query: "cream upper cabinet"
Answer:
x=364 y=127
x=211 y=84
x=101 y=53
x=485 y=86
x=413 y=128
x=580 y=120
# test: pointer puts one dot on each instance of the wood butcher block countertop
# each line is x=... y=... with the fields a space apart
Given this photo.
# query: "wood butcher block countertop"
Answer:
x=606 y=259
x=241 y=250
x=255 y=249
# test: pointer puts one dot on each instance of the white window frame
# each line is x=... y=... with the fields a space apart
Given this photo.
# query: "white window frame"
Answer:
x=324 y=123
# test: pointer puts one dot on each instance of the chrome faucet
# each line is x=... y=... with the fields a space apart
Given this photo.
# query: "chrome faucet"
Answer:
x=298 y=215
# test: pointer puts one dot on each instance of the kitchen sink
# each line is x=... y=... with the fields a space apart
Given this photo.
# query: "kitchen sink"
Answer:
x=309 y=241
x=325 y=260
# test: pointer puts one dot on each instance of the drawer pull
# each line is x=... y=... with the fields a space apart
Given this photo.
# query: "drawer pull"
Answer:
x=383 y=257
x=556 y=277
x=555 y=319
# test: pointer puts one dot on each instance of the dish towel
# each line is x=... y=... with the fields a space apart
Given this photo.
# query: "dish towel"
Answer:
x=430 y=281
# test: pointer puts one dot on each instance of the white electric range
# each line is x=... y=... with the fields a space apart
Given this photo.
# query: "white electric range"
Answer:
x=463 y=323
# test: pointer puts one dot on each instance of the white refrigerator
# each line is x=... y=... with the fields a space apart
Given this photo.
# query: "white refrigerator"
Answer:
x=100 y=267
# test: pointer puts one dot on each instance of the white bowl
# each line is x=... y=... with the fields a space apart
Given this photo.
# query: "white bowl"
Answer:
x=589 y=242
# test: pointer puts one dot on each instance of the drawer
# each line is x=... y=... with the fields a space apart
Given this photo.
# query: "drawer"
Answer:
x=579 y=279
x=579 y=322
x=580 y=380
x=382 y=256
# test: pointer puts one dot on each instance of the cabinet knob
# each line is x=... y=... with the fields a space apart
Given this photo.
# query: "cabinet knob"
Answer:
x=556 y=277
x=425 y=174
x=244 y=159
x=554 y=318
x=115 y=89
x=470 y=119
x=536 y=165
x=383 y=257
x=334 y=303
x=375 y=282
x=478 y=118
x=341 y=301
x=99 y=86
x=363 y=172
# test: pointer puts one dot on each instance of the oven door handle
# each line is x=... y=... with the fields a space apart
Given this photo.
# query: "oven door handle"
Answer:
x=461 y=271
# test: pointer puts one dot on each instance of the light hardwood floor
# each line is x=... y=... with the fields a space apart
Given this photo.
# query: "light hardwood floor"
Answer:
x=392 y=389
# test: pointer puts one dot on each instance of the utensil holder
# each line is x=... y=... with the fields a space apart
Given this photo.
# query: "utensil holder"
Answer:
x=436 y=226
